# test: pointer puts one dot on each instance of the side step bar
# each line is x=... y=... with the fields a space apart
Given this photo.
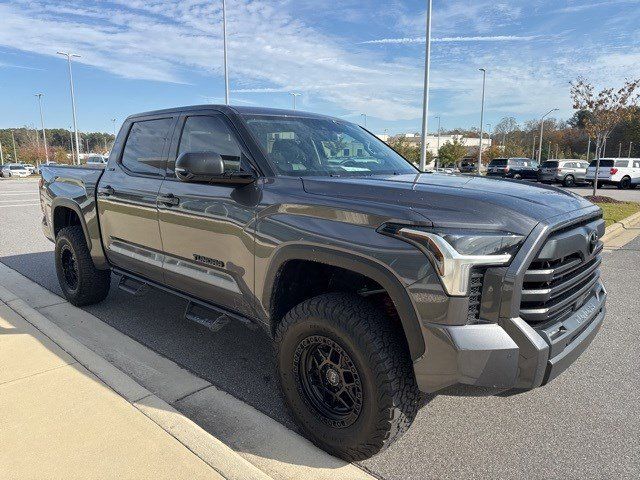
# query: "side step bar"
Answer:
x=210 y=316
x=132 y=286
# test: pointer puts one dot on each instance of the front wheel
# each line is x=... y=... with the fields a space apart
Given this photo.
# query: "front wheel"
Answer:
x=346 y=375
x=569 y=181
x=81 y=282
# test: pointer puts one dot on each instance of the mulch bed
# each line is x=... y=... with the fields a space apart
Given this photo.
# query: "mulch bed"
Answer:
x=602 y=199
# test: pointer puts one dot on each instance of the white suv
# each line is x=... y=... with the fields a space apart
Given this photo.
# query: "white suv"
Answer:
x=622 y=172
x=14 y=170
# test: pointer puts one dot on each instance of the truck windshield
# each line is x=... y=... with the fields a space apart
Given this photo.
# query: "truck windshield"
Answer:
x=302 y=146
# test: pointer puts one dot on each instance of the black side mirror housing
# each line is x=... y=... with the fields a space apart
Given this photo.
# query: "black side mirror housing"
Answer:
x=208 y=167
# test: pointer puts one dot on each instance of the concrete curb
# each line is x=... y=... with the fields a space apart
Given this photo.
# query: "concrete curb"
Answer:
x=260 y=446
x=617 y=229
x=205 y=446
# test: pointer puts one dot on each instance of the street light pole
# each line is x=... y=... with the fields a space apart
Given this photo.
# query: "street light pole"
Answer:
x=15 y=153
x=620 y=150
x=364 y=116
x=425 y=96
x=44 y=135
x=224 y=44
x=630 y=145
x=71 y=143
x=73 y=101
x=484 y=82
x=438 y=151
x=542 y=131
x=589 y=149
x=1 y=155
x=294 y=95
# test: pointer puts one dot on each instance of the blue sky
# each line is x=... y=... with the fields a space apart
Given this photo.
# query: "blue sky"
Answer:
x=346 y=58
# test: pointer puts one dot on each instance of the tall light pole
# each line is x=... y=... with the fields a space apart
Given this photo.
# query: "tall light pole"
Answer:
x=15 y=153
x=294 y=95
x=542 y=131
x=44 y=135
x=1 y=155
x=484 y=83
x=630 y=145
x=533 y=150
x=438 y=145
x=224 y=44
x=589 y=149
x=71 y=143
x=425 y=96
x=73 y=101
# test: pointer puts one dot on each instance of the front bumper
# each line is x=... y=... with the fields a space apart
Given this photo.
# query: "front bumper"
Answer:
x=507 y=354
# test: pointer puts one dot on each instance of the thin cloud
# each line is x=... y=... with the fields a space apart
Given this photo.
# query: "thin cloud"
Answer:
x=494 y=38
x=589 y=6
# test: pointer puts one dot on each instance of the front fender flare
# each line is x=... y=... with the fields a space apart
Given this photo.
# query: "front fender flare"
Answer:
x=359 y=264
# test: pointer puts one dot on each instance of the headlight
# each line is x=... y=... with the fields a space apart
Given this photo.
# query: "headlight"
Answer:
x=454 y=252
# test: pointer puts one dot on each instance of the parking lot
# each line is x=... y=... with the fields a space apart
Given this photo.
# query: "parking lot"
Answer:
x=584 y=424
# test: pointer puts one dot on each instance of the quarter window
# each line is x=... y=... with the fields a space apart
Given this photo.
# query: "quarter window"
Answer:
x=143 y=152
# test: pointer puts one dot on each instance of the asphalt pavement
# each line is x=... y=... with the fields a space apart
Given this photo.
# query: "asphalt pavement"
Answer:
x=584 y=424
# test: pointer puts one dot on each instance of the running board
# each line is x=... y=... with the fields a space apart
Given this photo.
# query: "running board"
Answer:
x=207 y=317
x=132 y=286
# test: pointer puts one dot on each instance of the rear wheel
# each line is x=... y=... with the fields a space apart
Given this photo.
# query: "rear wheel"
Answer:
x=346 y=375
x=625 y=183
x=569 y=181
x=81 y=282
x=517 y=176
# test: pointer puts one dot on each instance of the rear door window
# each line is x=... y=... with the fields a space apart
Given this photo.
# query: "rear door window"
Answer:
x=550 y=165
x=622 y=163
x=144 y=151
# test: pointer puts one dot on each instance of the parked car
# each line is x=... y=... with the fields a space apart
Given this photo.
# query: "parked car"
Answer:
x=568 y=172
x=517 y=168
x=376 y=282
x=621 y=172
x=96 y=160
x=15 y=170
x=32 y=169
x=468 y=165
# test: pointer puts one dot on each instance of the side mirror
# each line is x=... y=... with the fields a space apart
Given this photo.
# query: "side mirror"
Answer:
x=209 y=167
x=199 y=167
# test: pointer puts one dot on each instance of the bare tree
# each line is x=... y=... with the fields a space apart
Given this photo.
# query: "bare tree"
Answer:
x=606 y=109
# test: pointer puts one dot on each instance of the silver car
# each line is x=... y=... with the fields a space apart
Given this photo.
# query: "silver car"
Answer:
x=568 y=172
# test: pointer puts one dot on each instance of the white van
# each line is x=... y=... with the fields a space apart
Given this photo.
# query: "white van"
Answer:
x=622 y=172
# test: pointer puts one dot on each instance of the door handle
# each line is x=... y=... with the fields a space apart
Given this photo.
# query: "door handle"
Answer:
x=106 y=191
x=170 y=200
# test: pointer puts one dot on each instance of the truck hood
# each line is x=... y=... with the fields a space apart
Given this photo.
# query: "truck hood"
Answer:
x=456 y=200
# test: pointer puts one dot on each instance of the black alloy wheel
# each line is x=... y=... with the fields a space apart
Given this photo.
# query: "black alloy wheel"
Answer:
x=328 y=381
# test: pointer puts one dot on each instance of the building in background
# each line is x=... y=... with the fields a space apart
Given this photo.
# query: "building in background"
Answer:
x=414 y=140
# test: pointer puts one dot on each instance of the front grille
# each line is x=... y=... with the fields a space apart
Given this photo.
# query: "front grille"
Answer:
x=563 y=276
x=475 y=294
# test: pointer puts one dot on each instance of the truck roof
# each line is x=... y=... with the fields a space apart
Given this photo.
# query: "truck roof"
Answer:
x=239 y=110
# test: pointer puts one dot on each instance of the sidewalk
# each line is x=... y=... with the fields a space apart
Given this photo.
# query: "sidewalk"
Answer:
x=59 y=421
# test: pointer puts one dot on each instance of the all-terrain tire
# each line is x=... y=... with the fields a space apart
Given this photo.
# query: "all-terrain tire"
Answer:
x=389 y=395
x=81 y=282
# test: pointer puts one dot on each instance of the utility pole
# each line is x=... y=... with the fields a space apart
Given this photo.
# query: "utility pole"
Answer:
x=425 y=95
x=15 y=153
x=542 y=130
x=224 y=44
x=294 y=95
x=484 y=82
x=73 y=100
x=44 y=135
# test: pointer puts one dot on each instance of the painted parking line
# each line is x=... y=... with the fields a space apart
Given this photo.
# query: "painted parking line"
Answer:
x=20 y=205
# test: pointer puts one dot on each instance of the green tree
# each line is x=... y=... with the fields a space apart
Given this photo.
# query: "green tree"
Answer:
x=408 y=151
x=452 y=152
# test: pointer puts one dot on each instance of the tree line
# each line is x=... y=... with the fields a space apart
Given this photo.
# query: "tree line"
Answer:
x=29 y=147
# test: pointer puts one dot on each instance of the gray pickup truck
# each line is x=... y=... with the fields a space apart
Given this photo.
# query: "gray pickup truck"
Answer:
x=377 y=282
